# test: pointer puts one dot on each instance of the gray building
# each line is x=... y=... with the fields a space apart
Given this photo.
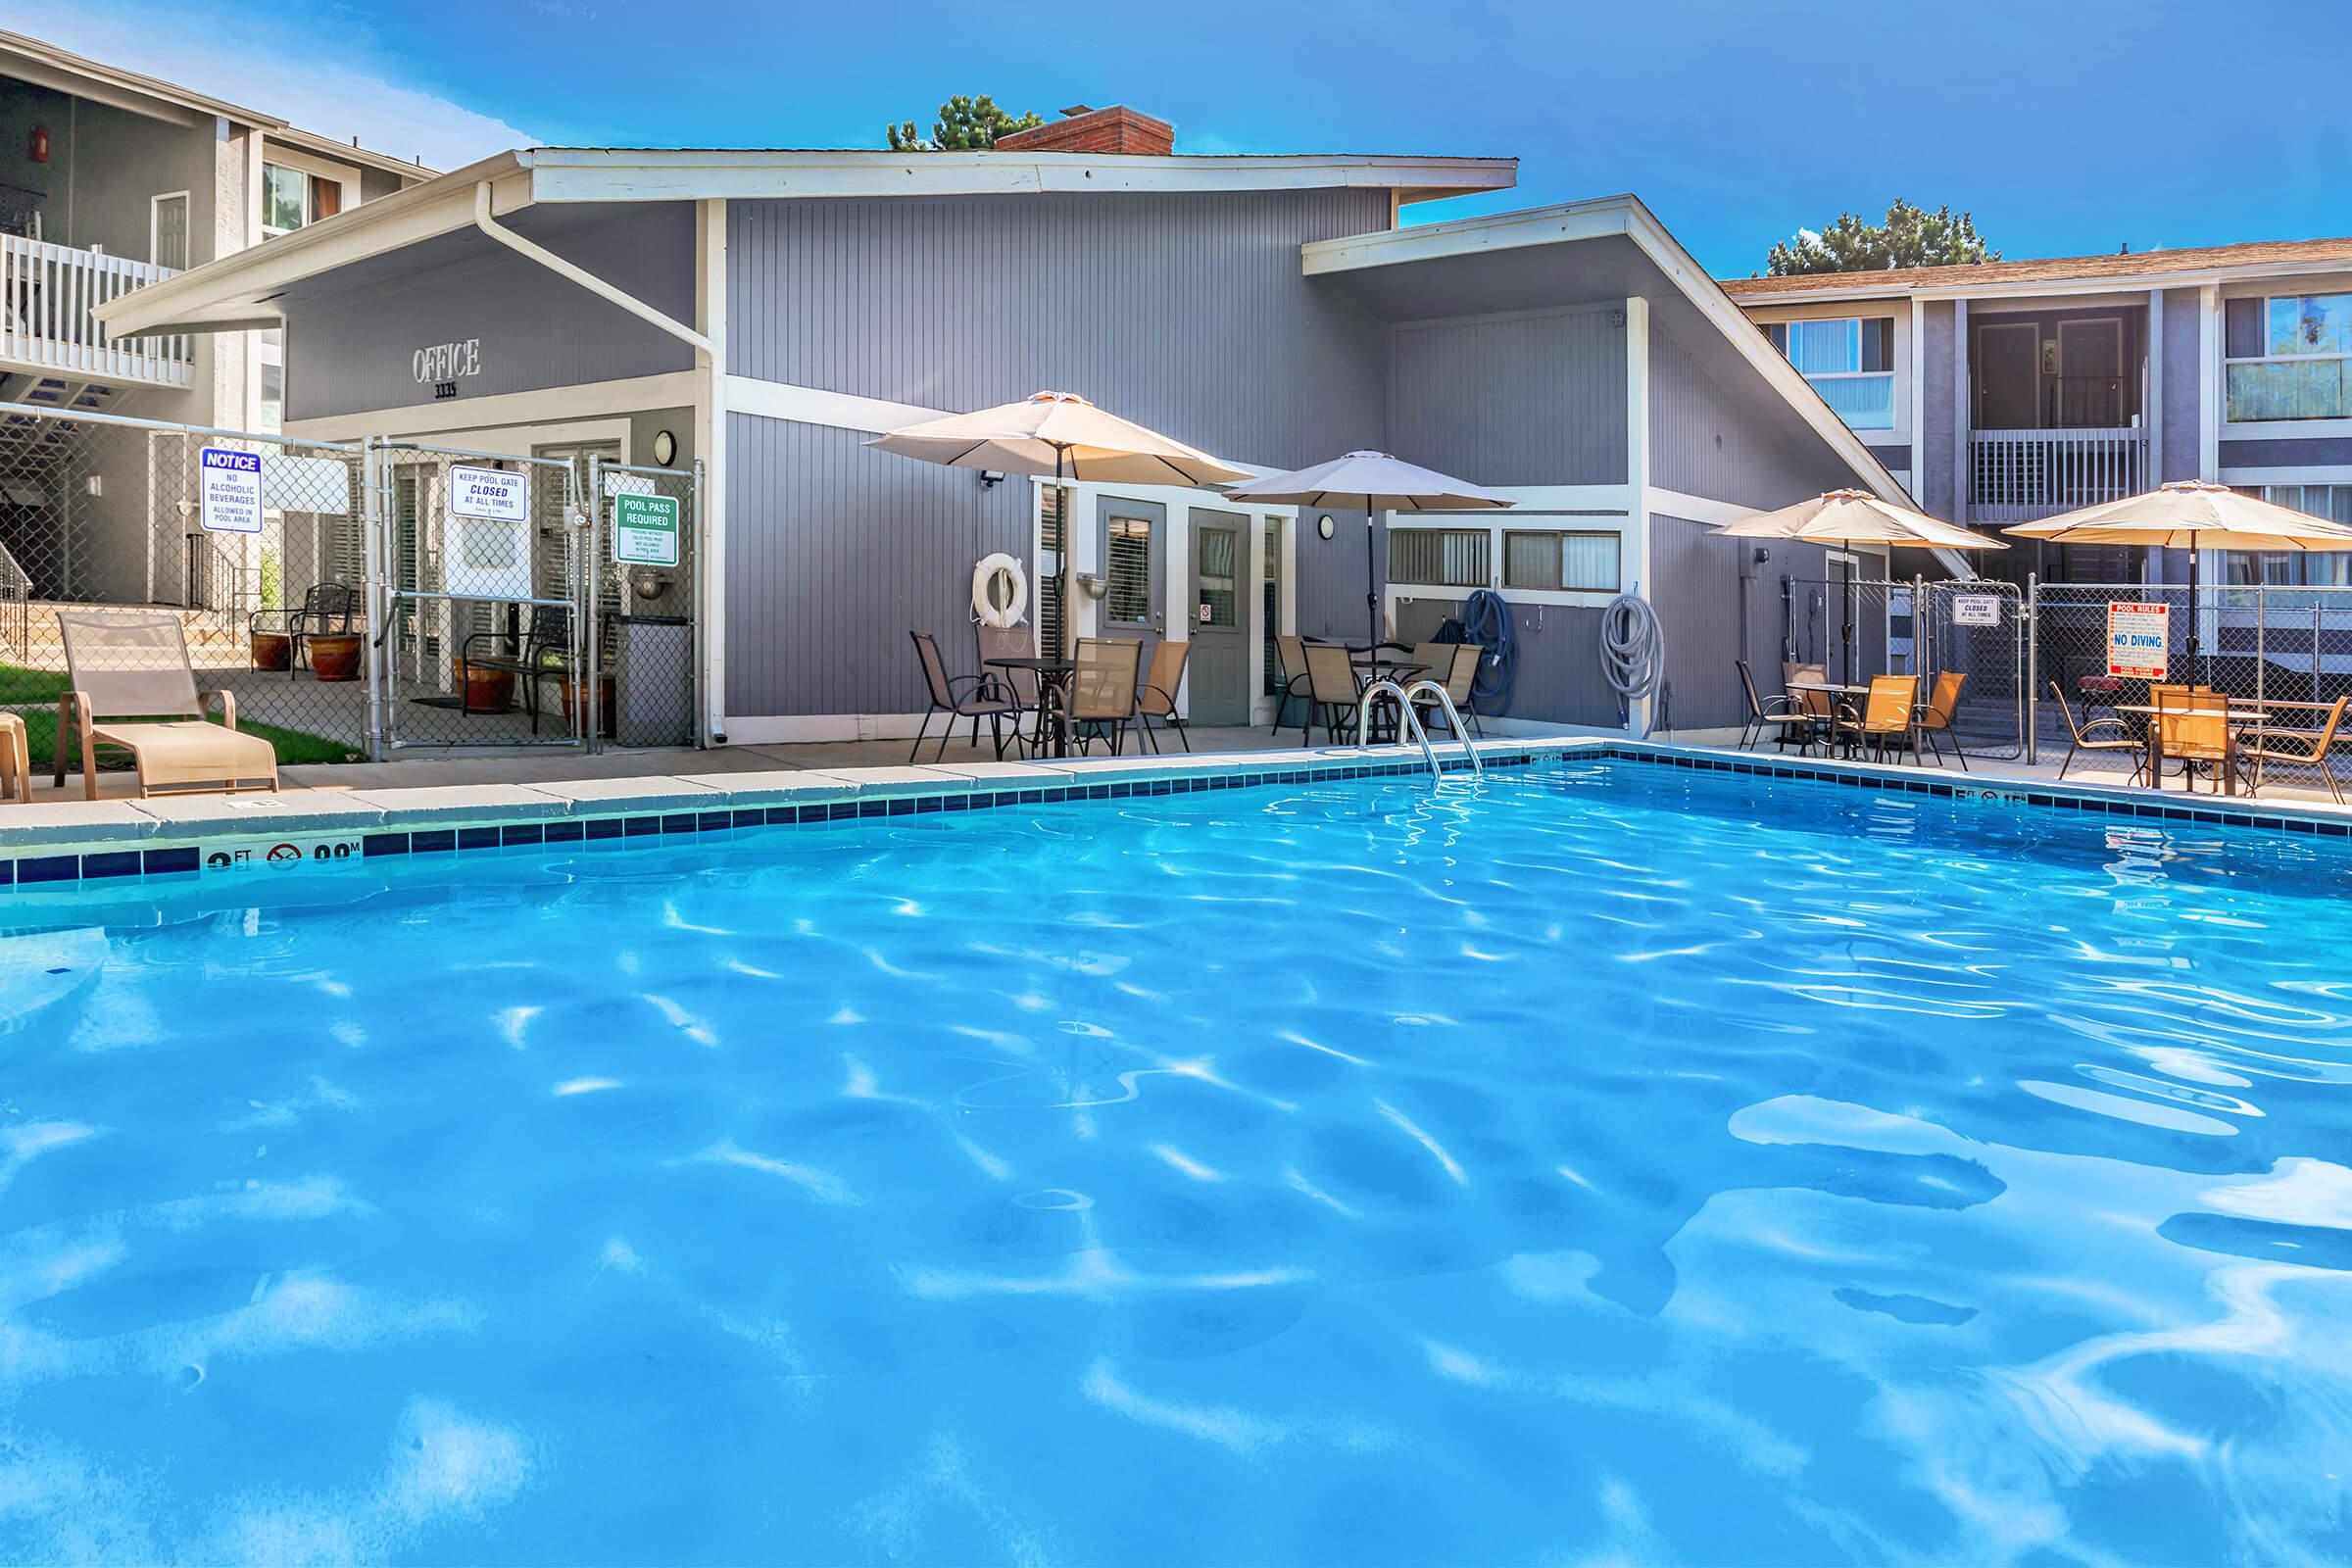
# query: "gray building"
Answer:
x=766 y=312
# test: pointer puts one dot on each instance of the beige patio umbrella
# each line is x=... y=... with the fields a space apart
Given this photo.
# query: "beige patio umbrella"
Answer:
x=1856 y=518
x=1370 y=482
x=2196 y=516
x=1062 y=435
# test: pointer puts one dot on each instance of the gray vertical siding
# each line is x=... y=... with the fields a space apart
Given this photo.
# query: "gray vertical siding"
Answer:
x=1559 y=659
x=1933 y=489
x=1513 y=400
x=1330 y=599
x=835 y=553
x=1729 y=443
x=2184 y=377
x=1711 y=617
x=1187 y=313
x=352 y=333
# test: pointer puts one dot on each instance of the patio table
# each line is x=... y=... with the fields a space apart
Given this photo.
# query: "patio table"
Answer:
x=1371 y=666
x=1052 y=685
x=2235 y=716
x=1830 y=688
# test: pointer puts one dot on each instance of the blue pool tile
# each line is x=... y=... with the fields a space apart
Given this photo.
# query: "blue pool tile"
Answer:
x=751 y=816
x=901 y=805
x=520 y=833
x=8 y=872
x=432 y=841
x=678 y=823
x=110 y=862
x=49 y=868
x=606 y=827
x=565 y=832
x=478 y=838
x=172 y=861
x=640 y=826
x=375 y=844
x=713 y=821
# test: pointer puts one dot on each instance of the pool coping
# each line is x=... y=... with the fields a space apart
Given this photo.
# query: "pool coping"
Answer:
x=54 y=843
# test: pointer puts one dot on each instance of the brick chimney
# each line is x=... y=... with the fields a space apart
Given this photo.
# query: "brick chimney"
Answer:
x=1080 y=129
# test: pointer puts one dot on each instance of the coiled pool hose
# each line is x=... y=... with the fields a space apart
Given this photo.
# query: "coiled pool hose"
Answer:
x=1487 y=621
x=1633 y=654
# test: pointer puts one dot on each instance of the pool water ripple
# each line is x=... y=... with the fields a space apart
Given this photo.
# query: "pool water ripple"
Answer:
x=1606 y=1161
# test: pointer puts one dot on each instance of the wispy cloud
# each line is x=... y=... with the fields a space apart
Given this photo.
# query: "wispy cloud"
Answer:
x=325 y=76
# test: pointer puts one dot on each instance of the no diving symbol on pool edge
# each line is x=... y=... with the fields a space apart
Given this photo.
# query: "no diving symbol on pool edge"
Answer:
x=282 y=851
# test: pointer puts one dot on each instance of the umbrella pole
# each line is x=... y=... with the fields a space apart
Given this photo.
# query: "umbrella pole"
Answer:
x=2196 y=673
x=1371 y=580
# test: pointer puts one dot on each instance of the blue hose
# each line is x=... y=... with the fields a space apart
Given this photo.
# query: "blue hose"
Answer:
x=1487 y=619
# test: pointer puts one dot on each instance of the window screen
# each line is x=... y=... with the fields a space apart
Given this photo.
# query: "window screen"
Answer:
x=1440 y=558
x=1127 y=570
x=1578 y=561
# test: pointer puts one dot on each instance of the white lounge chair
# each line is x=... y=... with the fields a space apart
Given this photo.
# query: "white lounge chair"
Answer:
x=131 y=688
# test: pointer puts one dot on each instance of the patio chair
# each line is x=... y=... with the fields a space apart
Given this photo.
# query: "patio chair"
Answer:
x=1936 y=720
x=1816 y=705
x=1294 y=686
x=2260 y=746
x=1103 y=691
x=16 y=757
x=2200 y=744
x=985 y=698
x=1157 y=699
x=124 y=668
x=1888 y=715
x=1016 y=641
x=2109 y=734
x=1455 y=668
x=540 y=652
x=1782 y=715
x=1331 y=689
x=328 y=610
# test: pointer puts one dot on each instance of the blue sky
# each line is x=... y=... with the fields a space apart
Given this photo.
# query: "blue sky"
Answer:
x=1737 y=122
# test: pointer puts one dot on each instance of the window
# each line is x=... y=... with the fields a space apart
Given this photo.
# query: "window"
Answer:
x=2290 y=357
x=1440 y=557
x=1850 y=361
x=285 y=198
x=1220 y=550
x=270 y=414
x=1127 y=570
x=1555 y=561
x=2299 y=569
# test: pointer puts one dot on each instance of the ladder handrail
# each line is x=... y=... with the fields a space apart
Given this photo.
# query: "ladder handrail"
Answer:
x=1478 y=767
x=1363 y=714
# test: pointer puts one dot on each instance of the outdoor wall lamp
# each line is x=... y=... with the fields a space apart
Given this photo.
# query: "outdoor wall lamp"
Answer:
x=1094 y=586
x=990 y=478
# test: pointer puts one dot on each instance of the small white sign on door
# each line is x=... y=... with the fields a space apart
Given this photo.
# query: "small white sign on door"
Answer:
x=491 y=493
x=1975 y=610
x=230 y=497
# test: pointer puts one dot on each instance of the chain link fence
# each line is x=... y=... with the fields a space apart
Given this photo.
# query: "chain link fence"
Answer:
x=2284 y=649
x=482 y=643
x=127 y=545
x=1851 y=630
x=645 y=634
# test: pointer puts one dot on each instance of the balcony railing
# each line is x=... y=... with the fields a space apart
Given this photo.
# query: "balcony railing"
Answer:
x=46 y=295
x=2020 y=475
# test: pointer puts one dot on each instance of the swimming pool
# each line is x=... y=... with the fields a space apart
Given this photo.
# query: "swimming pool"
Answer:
x=1610 y=1161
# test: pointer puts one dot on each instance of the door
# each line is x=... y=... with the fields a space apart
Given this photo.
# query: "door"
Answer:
x=2008 y=377
x=2090 y=374
x=1217 y=670
x=1133 y=574
x=168 y=239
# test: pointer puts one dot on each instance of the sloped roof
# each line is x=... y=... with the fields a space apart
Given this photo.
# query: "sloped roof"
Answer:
x=2254 y=254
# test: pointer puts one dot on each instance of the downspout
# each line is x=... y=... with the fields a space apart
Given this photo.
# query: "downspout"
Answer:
x=579 y=274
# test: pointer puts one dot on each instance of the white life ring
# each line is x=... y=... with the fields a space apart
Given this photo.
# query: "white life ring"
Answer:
x=1017 y=598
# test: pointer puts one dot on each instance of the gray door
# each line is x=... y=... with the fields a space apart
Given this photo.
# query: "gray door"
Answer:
x=1134 y=554
x=1217 y=670
x=2008 y=377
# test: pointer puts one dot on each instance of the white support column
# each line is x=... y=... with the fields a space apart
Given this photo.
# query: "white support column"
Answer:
x=1919 y=403
x=1964 y=415
x=2209 y=382
x=1636 y=470
x=1254 y=608
x=710 y=444
x=2151 y=410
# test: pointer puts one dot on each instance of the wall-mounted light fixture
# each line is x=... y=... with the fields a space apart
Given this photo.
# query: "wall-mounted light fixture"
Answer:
x=990 y=478
x=94 y=484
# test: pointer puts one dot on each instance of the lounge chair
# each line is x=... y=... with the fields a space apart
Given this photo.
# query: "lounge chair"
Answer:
x=124 y=668
x=1330 y=688
x=1157 y=699
x=2265 y=744
x=1454 y=667
x=2109 y=734
x=986 y=699
x=1783 y=716
x=16 y=757
x=1888 y=715
x=1290 y=652
x=1103 y=690
x=1936 y=720
x=328 y=608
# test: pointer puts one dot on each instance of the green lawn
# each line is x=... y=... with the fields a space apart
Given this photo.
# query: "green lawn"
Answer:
x=33 y=695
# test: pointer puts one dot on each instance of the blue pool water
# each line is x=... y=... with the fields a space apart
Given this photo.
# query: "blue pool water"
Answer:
x=1611 y=1163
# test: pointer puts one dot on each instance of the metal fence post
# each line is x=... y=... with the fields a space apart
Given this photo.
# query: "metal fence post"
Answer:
x=372 y=533
x=698 y=599
x=592 y=602
x=2032 y=630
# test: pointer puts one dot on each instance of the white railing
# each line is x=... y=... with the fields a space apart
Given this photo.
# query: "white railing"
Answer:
x=46 y=294
x=2020 y=475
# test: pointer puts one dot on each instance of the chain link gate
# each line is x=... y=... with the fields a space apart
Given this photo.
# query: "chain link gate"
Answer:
x=107 y=536
x=2255 y=642
x=477 y=579
x=1978 y=629
x=645 y=636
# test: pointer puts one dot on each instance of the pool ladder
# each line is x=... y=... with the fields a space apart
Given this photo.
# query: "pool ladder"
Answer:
x=1409 y=718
